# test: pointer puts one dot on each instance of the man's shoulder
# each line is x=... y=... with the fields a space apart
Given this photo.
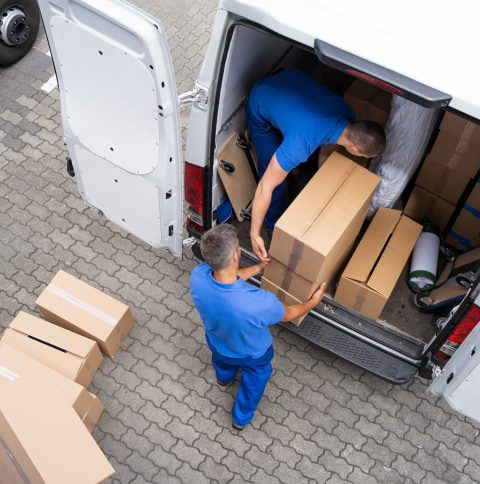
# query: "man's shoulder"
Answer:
x=200 y=272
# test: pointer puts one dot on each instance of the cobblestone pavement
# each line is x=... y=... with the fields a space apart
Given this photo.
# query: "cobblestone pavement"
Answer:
x=166 y=420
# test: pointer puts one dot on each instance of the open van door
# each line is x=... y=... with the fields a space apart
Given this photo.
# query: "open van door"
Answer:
x=120 y=114
x=459 y=381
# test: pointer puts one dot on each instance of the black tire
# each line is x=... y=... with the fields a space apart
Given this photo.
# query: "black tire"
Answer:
x=11 y=54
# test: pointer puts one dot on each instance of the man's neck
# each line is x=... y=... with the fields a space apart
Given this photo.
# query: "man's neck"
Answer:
x=343 y=140
x=226 y=276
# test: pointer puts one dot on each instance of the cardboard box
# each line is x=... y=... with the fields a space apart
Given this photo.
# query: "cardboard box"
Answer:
x=374 y=269
x=44 y=438
x=79 y=307
x=94 y=412
x=460 y=154
x=71 y=354
x=441 y=180
x=283 y=296
x=317 y=231
x=461 y=127
x=369 y=102
x=14 y=365
x=465 y=231
x=423 y=205
x=294 y=284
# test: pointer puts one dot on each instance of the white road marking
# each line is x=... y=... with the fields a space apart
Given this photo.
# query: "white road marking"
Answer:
x=50 y=84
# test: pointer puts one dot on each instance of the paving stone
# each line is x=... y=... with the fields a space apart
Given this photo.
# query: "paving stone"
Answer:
x=213 y=471
x=408 y=469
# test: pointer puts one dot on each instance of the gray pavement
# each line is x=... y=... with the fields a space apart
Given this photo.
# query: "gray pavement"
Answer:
x=166 y=420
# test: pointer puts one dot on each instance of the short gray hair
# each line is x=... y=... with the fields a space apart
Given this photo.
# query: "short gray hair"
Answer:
x=218 y=246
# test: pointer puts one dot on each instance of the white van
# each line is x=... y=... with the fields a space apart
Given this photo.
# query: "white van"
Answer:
x=120 y=115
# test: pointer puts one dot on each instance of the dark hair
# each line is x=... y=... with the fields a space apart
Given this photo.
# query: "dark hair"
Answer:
x=367 y=136
x=218 y=246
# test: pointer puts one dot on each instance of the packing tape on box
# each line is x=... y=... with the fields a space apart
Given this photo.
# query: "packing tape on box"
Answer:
x=468 y=131
x=295 y=255
x=75 y=301
x=359 y=301
x=475 y=212
x=459 y=150
x=14 y=461
x=8 y=374
x=461 y=240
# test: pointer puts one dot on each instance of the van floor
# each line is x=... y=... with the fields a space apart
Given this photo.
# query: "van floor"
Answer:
x=399 y=313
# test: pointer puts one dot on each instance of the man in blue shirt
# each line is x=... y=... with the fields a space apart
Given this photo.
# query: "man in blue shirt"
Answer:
x=289 y=115
x=236 y=317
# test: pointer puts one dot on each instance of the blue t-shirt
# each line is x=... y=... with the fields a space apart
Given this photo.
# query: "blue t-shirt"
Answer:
x=236 y=317
x=307 y=113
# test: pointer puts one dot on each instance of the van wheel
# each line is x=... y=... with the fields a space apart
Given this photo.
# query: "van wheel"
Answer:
x=19 y=21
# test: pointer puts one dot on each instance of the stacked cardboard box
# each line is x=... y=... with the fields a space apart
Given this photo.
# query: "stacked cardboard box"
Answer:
x=45 y=411
x=465 y=231
x=370 y=103
x=374 y=269
x=447 y=171
x=315 y=234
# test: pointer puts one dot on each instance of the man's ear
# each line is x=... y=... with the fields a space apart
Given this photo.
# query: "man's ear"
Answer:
x=354 y=150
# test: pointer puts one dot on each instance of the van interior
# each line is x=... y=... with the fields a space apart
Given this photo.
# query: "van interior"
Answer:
x=253 y=54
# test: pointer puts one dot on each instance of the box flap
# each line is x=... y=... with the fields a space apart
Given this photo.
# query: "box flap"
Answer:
x=56 y=441
x=321 y=188
x=45 y=331
x=396 y=254
x=372 y=244
x=74 y=300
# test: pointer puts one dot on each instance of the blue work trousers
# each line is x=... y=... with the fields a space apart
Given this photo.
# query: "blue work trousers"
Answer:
x=255 y=375
x=266 y=139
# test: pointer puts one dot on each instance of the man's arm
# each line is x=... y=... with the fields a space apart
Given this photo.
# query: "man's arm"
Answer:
x=248 y=272
x=273 y=176
x=297 y=310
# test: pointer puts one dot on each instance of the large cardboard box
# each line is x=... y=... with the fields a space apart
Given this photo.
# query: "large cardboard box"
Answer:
x=43 y=437
x=15 y=365
x=441 y=180
x=317 y=231
x=79 y=307
x=465 y=232
x=294 y=284
x=71 y=354
x=369 y=102
x=460 y=154
x=461 y=127
x=283 y=296
x=374 y=269
x=423 y=205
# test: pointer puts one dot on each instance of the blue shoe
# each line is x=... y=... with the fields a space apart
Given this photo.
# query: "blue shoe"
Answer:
x=223 y=383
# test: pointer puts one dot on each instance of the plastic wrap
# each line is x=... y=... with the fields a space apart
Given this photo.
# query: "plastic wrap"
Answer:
x=408 y=130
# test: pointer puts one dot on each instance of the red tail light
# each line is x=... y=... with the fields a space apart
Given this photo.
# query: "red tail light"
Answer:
x=459 y=334
x=194 y=176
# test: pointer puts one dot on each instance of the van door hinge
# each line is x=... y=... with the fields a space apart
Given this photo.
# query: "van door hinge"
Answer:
x=199 y=94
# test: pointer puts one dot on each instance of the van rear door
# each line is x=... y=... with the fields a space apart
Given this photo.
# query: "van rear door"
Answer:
x=459 y=381
x=120 y=114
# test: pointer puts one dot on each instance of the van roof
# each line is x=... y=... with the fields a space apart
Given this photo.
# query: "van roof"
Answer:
x=432 y=42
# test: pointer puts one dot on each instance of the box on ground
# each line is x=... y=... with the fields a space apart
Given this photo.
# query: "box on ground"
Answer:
x=369 y=102
x=423 y=205
x=441 y=180
x=283 y=296
x=465 y=231
x=317 y=231
x=461 y=127
x=71 y=354
x=374 y=269
x=460 y=154
x=44 y=438
x=15 y=364
x=79 y=307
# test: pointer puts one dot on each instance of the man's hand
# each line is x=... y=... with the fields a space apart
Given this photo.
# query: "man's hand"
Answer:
x=258 y=246
x=247 y=272
x=317 y=296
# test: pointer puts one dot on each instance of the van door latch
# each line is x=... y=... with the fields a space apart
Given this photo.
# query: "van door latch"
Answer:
x=198 y=94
